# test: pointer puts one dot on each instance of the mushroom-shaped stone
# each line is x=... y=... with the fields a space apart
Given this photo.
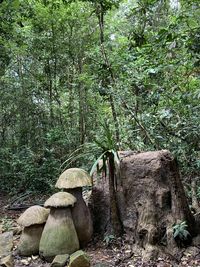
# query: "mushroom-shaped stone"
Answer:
x=72 y=180
x=59 y=235
x=33 y=220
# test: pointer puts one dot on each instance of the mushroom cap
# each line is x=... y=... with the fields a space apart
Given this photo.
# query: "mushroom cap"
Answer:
x=73 y=178
x=60 y=200
x=33 y=215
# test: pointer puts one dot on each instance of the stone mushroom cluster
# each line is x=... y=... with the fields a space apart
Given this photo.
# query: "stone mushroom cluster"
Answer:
x=63 y=225
x=72 y=181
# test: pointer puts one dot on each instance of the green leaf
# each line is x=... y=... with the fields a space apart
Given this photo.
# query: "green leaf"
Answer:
x=180 y=230
x=186 y=233
x=72 y=157
x=116 y=156
x=96 y=163
x=176 y=233
x=15 y=4
x=105 y=165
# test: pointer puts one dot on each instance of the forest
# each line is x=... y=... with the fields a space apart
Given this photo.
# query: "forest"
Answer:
x=81 y=80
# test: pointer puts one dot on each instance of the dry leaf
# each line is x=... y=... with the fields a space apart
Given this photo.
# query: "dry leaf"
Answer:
x=35 y=257
x=25 y=262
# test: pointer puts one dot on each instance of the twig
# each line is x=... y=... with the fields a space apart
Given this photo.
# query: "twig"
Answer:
x=22 y=197
x=22 y=207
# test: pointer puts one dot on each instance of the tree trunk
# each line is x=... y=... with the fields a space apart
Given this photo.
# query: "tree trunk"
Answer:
x=114 y=209
x=81 y=107
x=23 y=103
x=108 y=69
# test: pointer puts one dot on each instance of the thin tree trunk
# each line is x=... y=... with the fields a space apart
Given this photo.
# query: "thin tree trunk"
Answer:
x=100 y=15
x=55 y=72
x=114 y=210
x=23 y=131
x=81 y=108
x=50 y=96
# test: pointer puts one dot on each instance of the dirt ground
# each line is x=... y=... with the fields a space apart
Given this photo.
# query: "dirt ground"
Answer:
x=117 y=253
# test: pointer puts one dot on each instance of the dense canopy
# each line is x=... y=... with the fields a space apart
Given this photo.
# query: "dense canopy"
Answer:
x=67 y=68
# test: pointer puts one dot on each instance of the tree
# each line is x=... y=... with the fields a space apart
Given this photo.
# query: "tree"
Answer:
x=66 y=66
x=110 y=160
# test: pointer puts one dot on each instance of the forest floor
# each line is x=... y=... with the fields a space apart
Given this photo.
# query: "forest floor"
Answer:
x=118 y=253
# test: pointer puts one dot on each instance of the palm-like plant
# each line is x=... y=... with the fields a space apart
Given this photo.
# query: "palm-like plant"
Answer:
x=105 y=150
x=110 y=159
x=180 y=230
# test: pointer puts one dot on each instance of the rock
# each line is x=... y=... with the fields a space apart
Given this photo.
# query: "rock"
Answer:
x=6 y=244
x=60 y=260
x=196 y=240
x=7 y=261
x=79 y=259
x=191 y=252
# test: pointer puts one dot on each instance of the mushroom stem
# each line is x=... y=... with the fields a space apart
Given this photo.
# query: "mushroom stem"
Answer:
x=59 y=235
x=77 y=193
x=81 y=217
x=30 y=239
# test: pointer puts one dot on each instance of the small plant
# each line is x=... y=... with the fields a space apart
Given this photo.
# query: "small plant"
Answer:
x=108 y=239
x=7 y=224
x=180 y=231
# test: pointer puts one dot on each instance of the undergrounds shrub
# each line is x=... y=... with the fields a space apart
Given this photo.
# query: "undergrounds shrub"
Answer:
x=26 y=170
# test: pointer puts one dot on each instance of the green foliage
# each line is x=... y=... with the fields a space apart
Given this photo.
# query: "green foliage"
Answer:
x=106 y=4
x=7 y=224
x=95 y=153
x=27 y=170
x=58 y=84
x=180 y=231
x=108 y=147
